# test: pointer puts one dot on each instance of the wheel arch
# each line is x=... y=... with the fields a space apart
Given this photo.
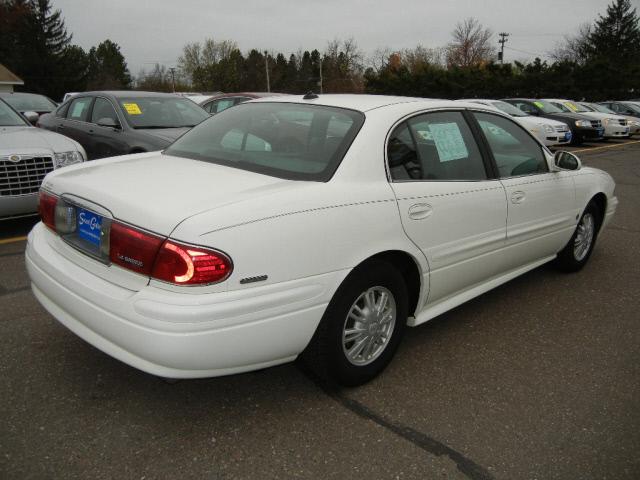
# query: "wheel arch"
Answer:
x=410 y=270
x=600 y=199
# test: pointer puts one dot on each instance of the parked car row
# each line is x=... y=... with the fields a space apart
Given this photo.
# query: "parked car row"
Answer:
x=110 y=123
x=561 y=121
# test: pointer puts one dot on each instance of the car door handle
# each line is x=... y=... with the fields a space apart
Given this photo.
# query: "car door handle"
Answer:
x=518 y=197
x=420 y=211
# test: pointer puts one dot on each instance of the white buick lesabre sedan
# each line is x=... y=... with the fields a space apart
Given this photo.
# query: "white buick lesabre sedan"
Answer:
x=318 y=226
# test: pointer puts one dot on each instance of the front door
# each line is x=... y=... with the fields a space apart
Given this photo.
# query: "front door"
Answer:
x=450 y=208
x=542 y=212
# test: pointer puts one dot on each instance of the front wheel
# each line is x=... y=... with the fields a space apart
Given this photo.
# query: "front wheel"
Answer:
x=576 y=253
x=362 y=326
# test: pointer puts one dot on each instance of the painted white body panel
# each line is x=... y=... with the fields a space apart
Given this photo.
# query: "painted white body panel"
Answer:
x=304 y=236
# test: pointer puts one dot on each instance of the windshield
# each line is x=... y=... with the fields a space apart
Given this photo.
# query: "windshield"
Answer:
x=509 y=109
x=9 y=118
x=285 y=140
x=547 y=107
x=25 y=102
x=161 y=112
x=601 y=108
x=635 y=106
x=576 y=107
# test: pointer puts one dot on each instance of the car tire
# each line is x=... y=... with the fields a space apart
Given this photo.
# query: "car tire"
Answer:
x=362 y=326
x=577 y=251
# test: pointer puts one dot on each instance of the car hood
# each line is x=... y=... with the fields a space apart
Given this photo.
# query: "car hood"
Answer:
x=169 y=135
x=32 y=140
x=543 y=121
x=566 y=116
x=157 y=192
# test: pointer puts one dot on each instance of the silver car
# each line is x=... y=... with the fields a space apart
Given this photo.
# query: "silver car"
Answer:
x=27 y=154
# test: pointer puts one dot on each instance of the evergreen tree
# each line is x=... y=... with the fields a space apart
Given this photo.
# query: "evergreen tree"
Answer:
x=107 y=68
x=33 y=44
x=617 y=34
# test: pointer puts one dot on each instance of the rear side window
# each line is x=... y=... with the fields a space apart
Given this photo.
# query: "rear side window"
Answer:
x=79 y=109
x=435 y=146
x=515 y=152
x=286 y=140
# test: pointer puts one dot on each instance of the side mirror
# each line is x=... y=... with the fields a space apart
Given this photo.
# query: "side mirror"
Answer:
x=108 y=123
x=564 y=160
x=31 y=116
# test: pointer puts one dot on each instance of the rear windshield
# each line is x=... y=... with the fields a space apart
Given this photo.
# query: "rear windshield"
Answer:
x=509 y=109
x=161 y=112
x=25 y=102
x=285 y=140
x=9 y=118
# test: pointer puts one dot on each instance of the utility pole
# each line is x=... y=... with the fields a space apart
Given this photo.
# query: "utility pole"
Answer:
x=173 y=78
x=266 y=67
x=503 y=39
x=321 y=92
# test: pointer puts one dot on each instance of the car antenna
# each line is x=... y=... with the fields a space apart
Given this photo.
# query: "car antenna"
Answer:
x=310 y=96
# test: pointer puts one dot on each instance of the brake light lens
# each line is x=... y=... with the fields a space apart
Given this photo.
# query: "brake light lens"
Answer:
x=47 y=209
x=187 y=265
x=132 y=248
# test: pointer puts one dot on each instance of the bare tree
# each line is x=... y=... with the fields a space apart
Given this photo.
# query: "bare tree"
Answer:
x=471 y=44
x=196 y=56
x=574 y=48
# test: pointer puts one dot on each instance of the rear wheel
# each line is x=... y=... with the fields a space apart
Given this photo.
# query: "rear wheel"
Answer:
x=576 y=253
x=362 y=326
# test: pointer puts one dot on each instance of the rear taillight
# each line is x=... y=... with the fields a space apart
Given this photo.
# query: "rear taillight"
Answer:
x=132 y=248
x=187 y=265
x=47 y=209
x=166 y=260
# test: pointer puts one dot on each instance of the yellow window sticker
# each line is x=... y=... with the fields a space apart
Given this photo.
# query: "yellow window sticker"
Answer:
x=538 y=104
x=132 y=108
x=572 y=106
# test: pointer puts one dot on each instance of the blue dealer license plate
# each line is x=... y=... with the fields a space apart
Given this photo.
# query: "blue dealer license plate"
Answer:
x=89 y=226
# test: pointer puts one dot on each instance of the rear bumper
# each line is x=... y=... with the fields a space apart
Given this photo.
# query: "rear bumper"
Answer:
x=180 y=335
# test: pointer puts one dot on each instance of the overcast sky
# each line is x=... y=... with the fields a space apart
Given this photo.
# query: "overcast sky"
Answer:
x=150 y=31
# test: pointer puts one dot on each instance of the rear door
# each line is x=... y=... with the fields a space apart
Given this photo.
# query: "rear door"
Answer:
x=541 y=204
x=76 y=124
x=450 y=206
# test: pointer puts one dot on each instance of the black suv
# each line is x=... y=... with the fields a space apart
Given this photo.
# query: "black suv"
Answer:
x=583 y=128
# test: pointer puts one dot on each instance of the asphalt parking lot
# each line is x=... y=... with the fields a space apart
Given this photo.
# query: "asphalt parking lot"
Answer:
x=537 y=379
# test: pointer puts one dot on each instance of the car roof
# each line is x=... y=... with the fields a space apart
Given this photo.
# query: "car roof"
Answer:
x=128 y=94
x=7 y=94
x=359 y=102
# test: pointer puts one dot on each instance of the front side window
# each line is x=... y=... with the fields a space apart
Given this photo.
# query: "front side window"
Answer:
x=435 y=146
x=79 y=109
x=285 y=140
x=103 y=109
x=514 y=151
